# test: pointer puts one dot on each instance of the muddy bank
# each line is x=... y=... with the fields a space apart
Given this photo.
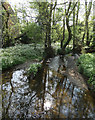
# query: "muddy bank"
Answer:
x=75 y=76
x=72 y=72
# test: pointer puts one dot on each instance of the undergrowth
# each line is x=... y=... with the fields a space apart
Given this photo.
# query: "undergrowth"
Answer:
x=19 y=54
x=33 y=69
x=86 y=64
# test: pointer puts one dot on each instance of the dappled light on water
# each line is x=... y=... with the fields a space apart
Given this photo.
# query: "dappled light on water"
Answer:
x=49 y=95
x=47 y=105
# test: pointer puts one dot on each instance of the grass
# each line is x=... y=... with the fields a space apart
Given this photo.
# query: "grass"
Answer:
x=19 y=54
x=86 y=64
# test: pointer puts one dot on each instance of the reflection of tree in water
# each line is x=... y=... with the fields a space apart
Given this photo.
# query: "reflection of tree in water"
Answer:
x=58 y=88
x=48 y=95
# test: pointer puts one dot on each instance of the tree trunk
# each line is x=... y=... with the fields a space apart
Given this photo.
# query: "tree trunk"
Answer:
x=93 y=43
x=63 y=33
x=46 y=38
x=67 y=23
x=49 y=26
x=74 y=31
x=69 y=31
x=87 y=16
x=77 y=12
x=63 y=29
x=83 y=39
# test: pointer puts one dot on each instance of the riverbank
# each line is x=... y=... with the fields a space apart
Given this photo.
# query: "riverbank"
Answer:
x=86 y=66
x=19 y=54
x=81 y=71
x=72 y=72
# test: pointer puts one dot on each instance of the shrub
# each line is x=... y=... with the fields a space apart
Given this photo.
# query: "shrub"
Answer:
x=60 y=51
x=33 y=68
x=68 y=50
x=86 y=64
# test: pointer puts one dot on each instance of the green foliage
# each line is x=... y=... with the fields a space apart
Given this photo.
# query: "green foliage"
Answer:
x=33 y=68
x=56 y=33
x=19 y=54
x=34 y=33
x=59 y=51
x=86 y=64
x=68 y=50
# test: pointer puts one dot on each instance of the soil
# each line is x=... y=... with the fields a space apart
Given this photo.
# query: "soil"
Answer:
x=73 y=74
x=75 y=77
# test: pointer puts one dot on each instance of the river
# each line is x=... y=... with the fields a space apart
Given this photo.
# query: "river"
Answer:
x=49 y=95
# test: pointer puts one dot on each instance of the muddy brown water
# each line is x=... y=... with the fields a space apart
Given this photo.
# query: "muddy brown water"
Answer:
x=49 y=95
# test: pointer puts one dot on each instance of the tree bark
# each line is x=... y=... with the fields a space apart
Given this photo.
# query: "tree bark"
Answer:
x=87 y=16
x=49 y=23
x=74 y=30
x=63 y=33
x=63 y=28
x=77 y=12
x=67 y=23
x=93 y=43
x=69 y=31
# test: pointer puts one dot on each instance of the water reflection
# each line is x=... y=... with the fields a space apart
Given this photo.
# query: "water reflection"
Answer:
x=49 y=95
x=47 y=105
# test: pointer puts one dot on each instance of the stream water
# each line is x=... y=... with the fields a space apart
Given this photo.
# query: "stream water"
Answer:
x=49 y=95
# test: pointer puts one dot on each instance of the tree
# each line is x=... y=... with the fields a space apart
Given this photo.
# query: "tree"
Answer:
x=87 y=13
x=44 y=18
x=10 y=25
x=74 y=29
x=34 y=32
x=63 y=27
x=93 y=43
x=75 y=26
x=68 y=13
